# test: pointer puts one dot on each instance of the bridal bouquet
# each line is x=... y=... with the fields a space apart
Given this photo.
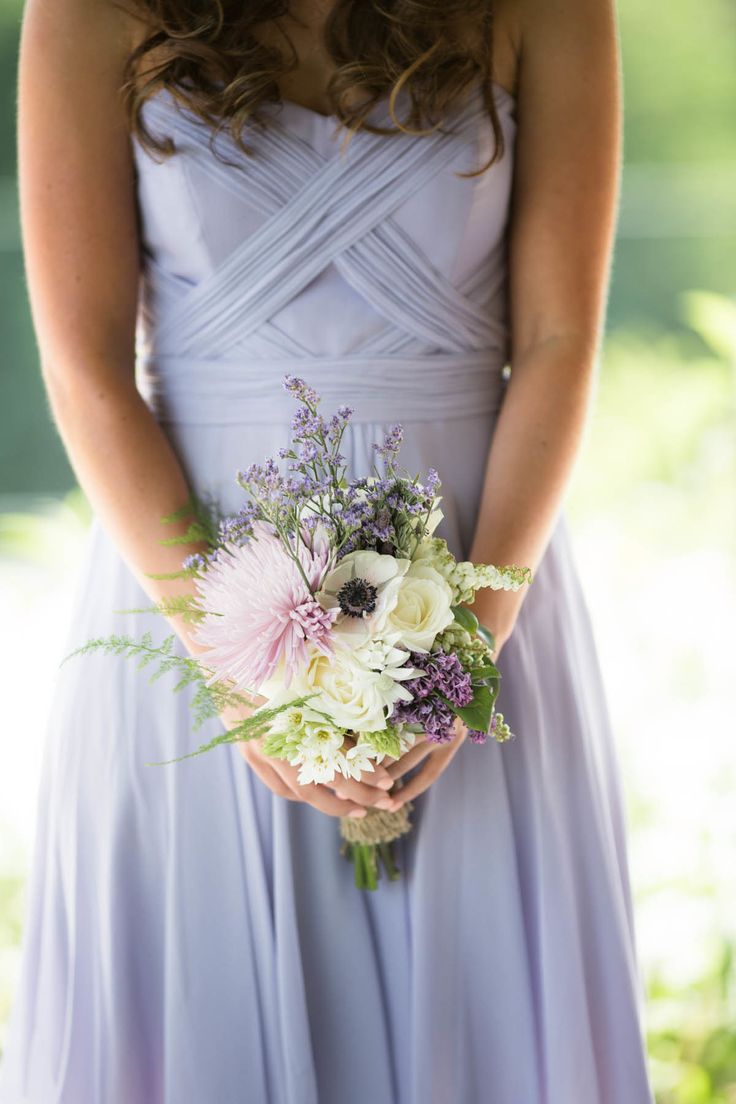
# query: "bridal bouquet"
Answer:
x=331 y=600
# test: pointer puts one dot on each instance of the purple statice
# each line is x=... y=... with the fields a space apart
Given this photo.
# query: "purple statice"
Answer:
x=305 y=485
x=306 y=424
x=385 y=512
x=389 y=449
x=238 y=528
x=195 y=562
x=433 y=482
x=442 y=684
x=308 y=452
x=310 y=522
x=300 y=390
x=381 y=514
x=262 y=481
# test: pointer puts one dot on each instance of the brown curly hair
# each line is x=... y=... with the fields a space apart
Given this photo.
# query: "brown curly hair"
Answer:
x=206 y=55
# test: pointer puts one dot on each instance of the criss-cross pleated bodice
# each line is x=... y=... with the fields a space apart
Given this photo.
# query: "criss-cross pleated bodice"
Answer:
x=362 y=264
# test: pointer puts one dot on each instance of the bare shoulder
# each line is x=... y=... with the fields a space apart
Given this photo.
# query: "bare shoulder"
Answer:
x=573 y=42
x=507 y=43
x=566 y=165
x=77 y=175
x=81 y=39
x=573 y=36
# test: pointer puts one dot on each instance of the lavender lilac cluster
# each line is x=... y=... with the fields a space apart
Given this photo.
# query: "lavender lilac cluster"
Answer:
x=442 y=684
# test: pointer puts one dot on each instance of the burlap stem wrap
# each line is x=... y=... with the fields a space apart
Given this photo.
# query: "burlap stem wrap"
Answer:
x=377 y=826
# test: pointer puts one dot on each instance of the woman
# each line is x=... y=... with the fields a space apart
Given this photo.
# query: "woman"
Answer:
x=192 y=935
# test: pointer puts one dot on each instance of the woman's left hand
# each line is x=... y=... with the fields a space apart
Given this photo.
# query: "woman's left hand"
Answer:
x=436 y=758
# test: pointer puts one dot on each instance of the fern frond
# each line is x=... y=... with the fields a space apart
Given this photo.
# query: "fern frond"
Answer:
x=184 y=573
x=182 y=605
x=210 y=697
x=189 y=509
x=209 y=515
x=143 y=649
x=205 y=527
x=196 y=532
x=249 y=729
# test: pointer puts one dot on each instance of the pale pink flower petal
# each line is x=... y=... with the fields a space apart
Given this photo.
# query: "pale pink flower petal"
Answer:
x=260 y=611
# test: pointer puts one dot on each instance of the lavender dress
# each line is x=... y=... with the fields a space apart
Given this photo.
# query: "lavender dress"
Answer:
x=191 y=938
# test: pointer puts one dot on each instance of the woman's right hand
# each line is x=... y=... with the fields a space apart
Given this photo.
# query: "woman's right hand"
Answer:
x=342 y=797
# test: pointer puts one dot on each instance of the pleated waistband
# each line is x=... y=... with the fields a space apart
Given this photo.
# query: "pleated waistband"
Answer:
x=420 y=388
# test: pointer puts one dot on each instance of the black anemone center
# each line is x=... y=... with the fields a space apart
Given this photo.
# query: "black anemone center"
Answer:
x=357 y=597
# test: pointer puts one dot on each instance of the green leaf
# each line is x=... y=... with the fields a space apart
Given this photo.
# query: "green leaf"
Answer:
x=466 y=619
x=480 y=674
x=478 y=714
x=492 y=684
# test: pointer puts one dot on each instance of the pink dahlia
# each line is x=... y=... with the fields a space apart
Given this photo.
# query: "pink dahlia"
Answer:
x=261 y=610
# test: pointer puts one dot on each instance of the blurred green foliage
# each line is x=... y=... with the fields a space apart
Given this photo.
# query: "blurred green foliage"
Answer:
x=679 y=81
x=664 y=446
x=693 y=1061
x=12 y=900
x=655 y=487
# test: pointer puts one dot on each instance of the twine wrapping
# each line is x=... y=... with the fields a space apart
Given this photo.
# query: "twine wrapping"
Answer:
x=377 y=826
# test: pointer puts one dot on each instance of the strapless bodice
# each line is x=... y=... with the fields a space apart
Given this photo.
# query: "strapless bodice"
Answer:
x=329 y=256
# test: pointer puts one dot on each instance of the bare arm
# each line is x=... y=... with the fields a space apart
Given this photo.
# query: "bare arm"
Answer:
x=81 y=246
x=563 y=214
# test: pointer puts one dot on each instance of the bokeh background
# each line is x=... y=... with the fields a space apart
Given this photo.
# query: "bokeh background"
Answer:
x=653 y=507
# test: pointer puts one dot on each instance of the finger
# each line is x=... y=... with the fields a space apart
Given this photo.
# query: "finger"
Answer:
x=378 y=777
x=389 y=760
x=351 y=790
x=315 y=794
x=323 y=799
x=438 y=762
x=410 y=759
x=424 y=778
x=266 y=773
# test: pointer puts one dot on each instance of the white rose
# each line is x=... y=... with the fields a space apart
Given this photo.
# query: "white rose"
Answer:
x=422 y=609
x=351 y=694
